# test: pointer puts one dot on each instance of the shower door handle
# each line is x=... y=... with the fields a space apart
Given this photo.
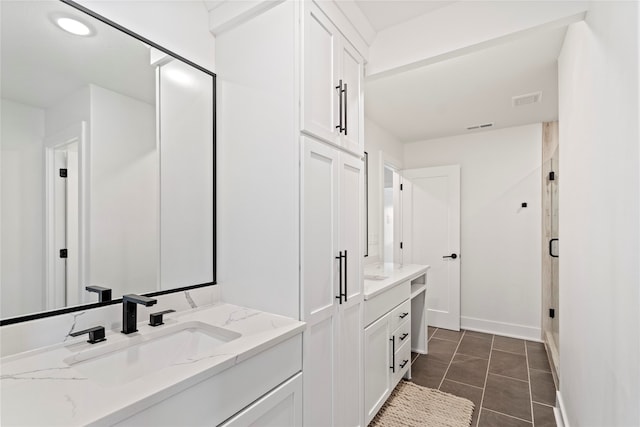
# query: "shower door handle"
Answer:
x=551 y=248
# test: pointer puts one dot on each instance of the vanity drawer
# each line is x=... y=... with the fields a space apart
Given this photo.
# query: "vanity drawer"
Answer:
x=402 y=334
x=382 y=304
x=402 y=363
x=400 y=314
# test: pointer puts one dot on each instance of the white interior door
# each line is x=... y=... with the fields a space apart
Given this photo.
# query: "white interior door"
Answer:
x=436 y=239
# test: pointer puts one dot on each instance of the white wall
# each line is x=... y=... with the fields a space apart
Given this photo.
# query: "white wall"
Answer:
x=123 y=188
x=381 y=146
x=599 y=210
x=22 y=204
x=500 y=241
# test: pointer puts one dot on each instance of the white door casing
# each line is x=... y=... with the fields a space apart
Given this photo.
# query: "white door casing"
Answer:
x=435 y=223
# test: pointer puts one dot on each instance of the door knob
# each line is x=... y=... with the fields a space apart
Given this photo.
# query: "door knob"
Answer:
x=453 y=256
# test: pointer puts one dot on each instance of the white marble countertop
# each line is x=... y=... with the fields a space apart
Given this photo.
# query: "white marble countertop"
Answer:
x=39 y=388
x=383 y=276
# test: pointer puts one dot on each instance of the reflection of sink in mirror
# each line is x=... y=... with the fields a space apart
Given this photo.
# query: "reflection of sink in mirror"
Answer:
x=374 y=277
x=144 y=354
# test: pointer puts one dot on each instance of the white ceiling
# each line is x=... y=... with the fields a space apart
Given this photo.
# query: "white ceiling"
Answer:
x=386 y=13
x=444 y=98
x=42 y=64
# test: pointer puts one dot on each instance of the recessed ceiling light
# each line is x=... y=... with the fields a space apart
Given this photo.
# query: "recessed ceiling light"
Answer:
x=74 y=26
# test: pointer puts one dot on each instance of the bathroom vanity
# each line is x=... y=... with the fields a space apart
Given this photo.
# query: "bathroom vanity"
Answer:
x=192 y=370
x=395 y=325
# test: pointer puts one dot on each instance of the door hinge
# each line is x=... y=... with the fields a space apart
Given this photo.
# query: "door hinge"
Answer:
x=63 y=253
x=400 y=245
x=63 y=173
x=552 y=176
x=552 y=313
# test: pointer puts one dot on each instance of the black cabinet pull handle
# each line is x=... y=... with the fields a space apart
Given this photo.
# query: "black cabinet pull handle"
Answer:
x=340 y=92
x=339 y=296
x=346 y=110
x=393 y=354
x=452 y=256
x=345 y=270
x=551 y=246
x=403 y=336
x=404 y=363
x=403 y=315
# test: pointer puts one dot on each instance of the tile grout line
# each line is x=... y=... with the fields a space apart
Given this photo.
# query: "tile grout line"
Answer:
x=507 y=415
x=510 y=352
x=486 y=376
x=508 y=377
x=468 y=385
x=453 y=356
x=526 y=353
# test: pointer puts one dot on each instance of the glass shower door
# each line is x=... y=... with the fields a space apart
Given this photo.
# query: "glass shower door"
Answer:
x=554 y=338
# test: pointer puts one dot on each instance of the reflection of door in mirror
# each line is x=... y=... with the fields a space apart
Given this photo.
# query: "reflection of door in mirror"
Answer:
x=391 y=217
x=62 y=279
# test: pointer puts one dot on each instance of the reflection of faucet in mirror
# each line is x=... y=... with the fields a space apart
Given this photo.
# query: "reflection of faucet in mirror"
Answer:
x=104 y=294
x=130 y=311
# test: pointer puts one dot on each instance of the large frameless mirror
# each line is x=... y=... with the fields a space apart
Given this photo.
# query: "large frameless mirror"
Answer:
x=107 y=162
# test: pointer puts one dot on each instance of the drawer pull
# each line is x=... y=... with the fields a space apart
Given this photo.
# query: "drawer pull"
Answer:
x=393 y=354
x=404 y=363
x=403 y=315
x=403 y=336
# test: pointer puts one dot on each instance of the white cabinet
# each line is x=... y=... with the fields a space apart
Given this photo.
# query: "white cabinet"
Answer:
x=281 y=407
x=332 y=107
x=219 y=397
x=332 y=197
x=377 y=381
x=387 y=356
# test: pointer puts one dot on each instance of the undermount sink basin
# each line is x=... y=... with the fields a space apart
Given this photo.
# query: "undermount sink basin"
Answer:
x=144 y=354
x=374 y=277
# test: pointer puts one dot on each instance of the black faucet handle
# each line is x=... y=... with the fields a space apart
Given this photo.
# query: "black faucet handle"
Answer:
x=155 y=319
x=96 y=334
x=104 y=294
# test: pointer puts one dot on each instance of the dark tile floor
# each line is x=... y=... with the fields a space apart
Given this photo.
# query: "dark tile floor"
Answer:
x=509 y=380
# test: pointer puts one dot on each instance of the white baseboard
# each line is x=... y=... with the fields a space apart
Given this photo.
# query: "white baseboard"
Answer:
x=560 y=413
x=501 y=328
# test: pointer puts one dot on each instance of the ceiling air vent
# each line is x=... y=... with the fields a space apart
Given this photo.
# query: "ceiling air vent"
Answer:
x=482 y=126
x=529 y=98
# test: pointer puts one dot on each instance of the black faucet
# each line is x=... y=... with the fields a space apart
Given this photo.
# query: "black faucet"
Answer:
x=130 y=311
x=104 y=294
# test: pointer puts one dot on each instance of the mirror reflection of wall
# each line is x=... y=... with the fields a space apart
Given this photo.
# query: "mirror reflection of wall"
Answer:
x=131 y=127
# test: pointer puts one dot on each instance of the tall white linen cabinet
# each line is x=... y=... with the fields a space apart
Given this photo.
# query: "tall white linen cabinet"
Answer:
x=291 y=177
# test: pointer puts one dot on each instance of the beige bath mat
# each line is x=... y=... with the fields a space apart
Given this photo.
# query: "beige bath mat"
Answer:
x=411 y=405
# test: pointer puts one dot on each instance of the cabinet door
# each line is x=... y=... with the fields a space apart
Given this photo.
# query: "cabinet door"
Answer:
x=319 y=280
x=351 y=74
x=377 y=362
x=320 y=114
x=281 y=407
x=349 y=396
